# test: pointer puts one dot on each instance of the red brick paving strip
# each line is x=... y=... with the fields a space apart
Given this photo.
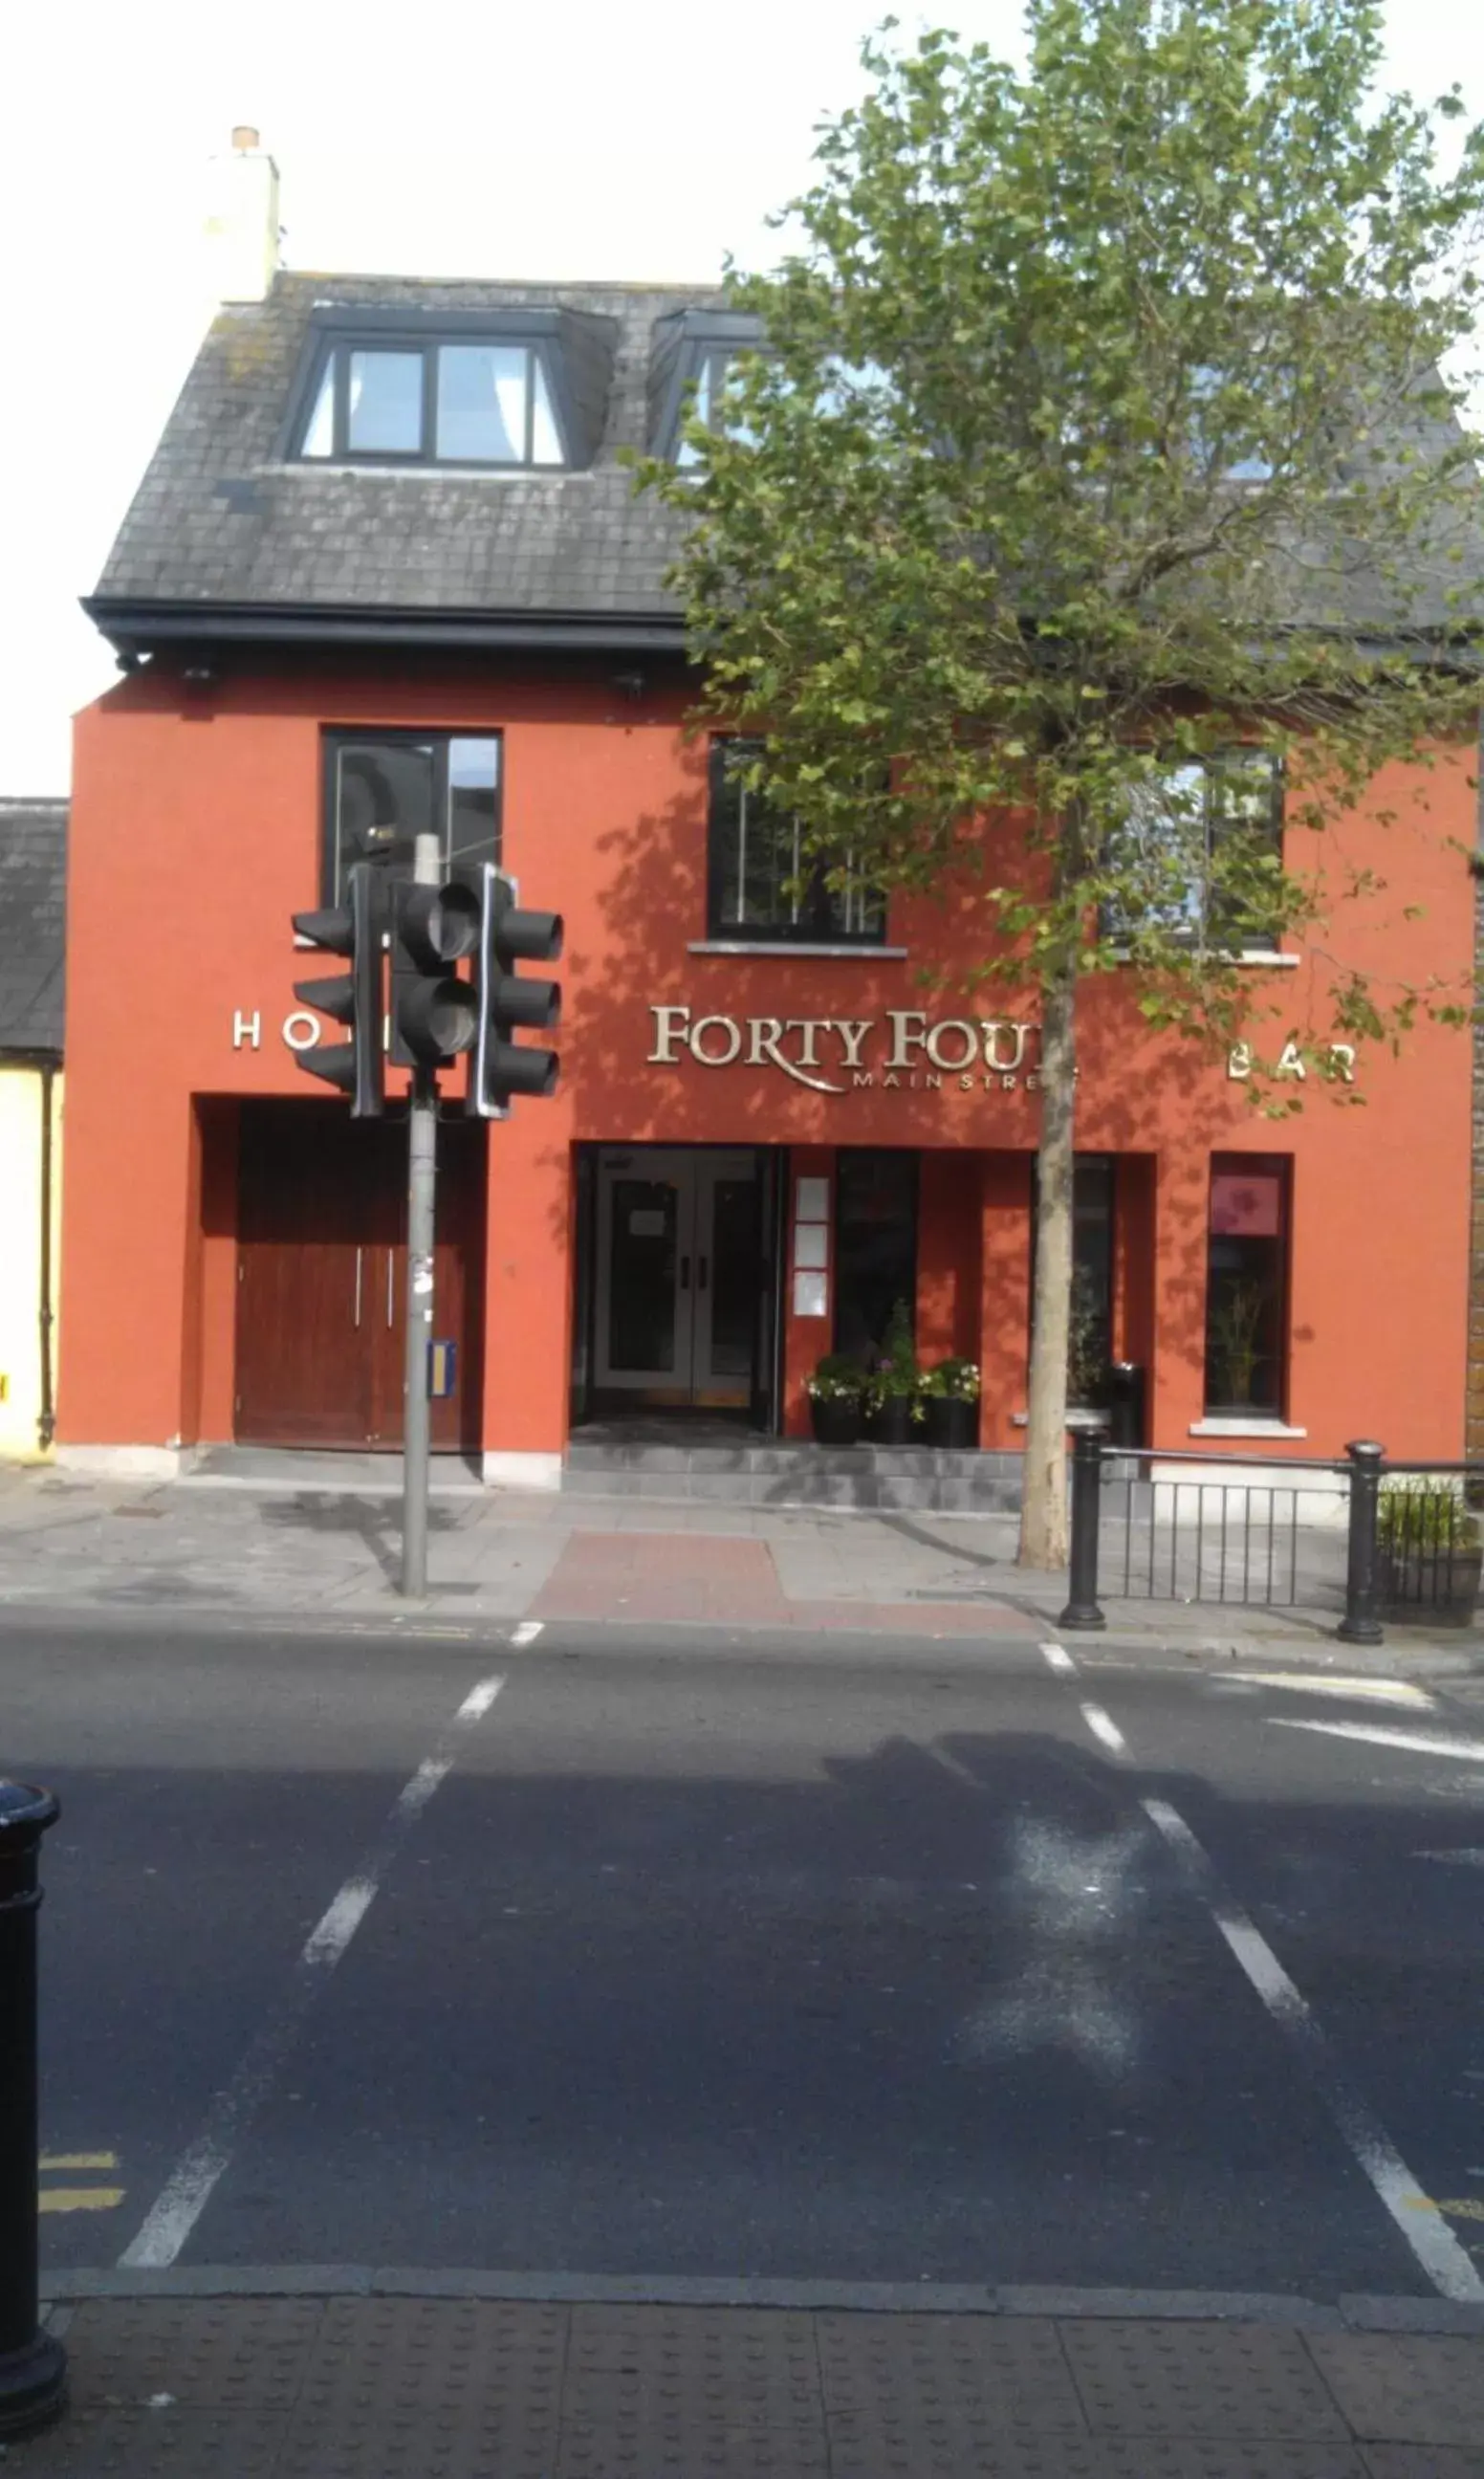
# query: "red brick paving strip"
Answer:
x=718 y=1579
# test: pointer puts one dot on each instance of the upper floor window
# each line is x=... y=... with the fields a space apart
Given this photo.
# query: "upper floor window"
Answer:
x=384 y=788
x=761 y=883
x=474 y=403
x=705 y=402
x=1191 y=834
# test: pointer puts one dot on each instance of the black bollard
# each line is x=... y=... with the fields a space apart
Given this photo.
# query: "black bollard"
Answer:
x=33 y=2365
x=1082 y=1611
x=1360 y=1623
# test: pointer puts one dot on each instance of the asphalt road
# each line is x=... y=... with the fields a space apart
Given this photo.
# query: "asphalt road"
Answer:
x=731 y=1955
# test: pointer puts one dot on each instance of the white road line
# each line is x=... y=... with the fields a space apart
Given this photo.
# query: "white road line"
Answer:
x=1101 y=1728
x=527 y=1631
x=1059 y=1658
x=1437 y=2250
x=182 y=2199
x=1375 y=1734
x=1368 y=1690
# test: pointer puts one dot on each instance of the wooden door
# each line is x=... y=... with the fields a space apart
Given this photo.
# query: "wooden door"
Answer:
x=321 y=1278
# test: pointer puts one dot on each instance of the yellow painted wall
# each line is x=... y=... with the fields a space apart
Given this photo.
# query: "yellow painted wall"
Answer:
x=21 y=1092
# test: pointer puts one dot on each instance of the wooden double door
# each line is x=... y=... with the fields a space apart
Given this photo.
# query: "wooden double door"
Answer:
x=322 y=1277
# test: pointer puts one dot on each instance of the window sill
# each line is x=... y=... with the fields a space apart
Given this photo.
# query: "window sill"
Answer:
x=421 y=471
x=1092 y=1418
x=1252 y=959
x=1219 y=1426
x=793 y=947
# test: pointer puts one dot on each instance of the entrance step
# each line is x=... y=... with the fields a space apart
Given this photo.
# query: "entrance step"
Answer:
x=788 y=1471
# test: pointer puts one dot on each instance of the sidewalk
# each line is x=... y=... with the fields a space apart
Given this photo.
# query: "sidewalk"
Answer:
x=449 y=2377
x=326 y=1555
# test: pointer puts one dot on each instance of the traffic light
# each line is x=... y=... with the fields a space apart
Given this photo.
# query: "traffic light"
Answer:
x=435 y=1017
x=352 y=928
x=502 y=1068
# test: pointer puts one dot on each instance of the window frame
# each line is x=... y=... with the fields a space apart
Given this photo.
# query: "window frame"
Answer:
x=334 y=739
x=1250 y=946
x=812 y=927
x=334 y=335
x=1277 y=1412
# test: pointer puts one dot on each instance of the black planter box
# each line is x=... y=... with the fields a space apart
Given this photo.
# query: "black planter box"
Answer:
x=891 y=1422
x=836 y=1423
x=950 y=1421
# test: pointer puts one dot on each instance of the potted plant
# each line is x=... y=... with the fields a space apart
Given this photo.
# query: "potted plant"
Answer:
x=836 y=1393
x=950 y=1402
x=1427 y=1550
x=893 y=1410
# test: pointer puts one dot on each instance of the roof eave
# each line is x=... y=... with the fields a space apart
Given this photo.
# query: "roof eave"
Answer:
x=135 y=627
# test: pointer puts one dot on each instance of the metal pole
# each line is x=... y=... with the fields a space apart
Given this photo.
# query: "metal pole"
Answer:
x=1360 y=1623
x=33 y=2364
x=1081 y=1609
x=421 y=1188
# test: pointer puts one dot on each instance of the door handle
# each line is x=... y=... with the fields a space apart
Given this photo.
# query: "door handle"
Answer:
x=701 y=1274
x=390 y=1285
x=358 y=1269
x=685 y=1273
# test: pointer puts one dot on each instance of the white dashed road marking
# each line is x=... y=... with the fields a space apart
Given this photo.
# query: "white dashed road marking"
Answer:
x=185 y=2194
x=1104 y=1729
x=1058 y=1659
x=1375 y=1734
x=1437 y=2250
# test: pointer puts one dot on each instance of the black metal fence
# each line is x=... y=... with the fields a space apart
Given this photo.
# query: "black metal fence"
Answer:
x=1358 y=1540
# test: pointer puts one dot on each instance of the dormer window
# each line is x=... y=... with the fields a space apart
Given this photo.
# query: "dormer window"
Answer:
x=691 y=358
x=705 y=404
x=433 y=403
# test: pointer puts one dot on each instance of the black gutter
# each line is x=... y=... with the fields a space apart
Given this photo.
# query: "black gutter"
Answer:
x=136 y=627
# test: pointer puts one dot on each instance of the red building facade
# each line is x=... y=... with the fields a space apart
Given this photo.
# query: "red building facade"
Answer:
x=773 y=1125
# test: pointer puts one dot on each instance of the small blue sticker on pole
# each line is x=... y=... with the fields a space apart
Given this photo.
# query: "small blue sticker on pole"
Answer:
x=443 y=1362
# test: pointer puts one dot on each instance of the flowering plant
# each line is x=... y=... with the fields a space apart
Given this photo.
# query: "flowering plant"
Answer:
x=956 y=1380
x=838 y=1379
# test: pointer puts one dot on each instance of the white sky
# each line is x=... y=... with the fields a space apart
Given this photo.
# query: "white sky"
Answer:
x=577 y=140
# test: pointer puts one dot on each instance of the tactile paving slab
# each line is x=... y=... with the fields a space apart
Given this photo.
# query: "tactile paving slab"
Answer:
x=165 y=2443
x=216 y=2353
x=1405 y=2389
x=894 y=2369
x=430 y=2389
x=1007 y=2456
x=1213 y=2380
x=688 y=2390
x=1423 y=2461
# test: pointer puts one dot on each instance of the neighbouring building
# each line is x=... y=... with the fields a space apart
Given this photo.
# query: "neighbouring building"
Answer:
x=385 y=573
x=33 y=878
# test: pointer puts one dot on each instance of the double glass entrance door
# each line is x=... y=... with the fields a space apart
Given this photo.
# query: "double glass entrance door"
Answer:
x=678 y=1271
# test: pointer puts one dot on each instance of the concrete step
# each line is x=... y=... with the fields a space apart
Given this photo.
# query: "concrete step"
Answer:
x=796 y=1473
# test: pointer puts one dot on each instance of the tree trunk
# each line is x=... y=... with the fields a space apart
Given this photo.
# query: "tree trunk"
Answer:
x=1044 y=1517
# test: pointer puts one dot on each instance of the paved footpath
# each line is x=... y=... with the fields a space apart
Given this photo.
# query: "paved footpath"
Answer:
x=327 y=1550
x=431 y=2376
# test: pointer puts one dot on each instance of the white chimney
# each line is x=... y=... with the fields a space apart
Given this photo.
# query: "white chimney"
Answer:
x=242 y=222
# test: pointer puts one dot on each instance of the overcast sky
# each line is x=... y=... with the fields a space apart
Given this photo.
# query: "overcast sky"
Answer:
x=577 y=141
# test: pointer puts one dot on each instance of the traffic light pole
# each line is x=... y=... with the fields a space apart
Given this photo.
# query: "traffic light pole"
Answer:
x=422 y=1194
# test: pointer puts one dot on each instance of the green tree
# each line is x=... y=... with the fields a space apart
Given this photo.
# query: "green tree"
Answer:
x=1099 y=428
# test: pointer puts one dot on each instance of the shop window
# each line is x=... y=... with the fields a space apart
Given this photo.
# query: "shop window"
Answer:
x=1089 y=1337
x=1246 y=1283
x=874 y=1245
x=1194 y=853
x=761 y=883
x=383 y=789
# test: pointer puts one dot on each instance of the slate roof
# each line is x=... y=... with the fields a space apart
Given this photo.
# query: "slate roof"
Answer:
x=32 y=924
x=228 y=537
x=222 y=519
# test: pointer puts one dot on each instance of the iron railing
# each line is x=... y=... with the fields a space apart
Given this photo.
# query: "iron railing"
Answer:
x=1402 y=1541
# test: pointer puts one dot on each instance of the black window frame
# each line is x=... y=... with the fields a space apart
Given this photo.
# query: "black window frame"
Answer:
x=1280 y=1357
x=817 y=924
x=337 y=737
x=1221 y=938
x=336 y=344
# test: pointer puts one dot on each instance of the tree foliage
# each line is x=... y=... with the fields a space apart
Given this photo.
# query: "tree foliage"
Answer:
x=1098 y=425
